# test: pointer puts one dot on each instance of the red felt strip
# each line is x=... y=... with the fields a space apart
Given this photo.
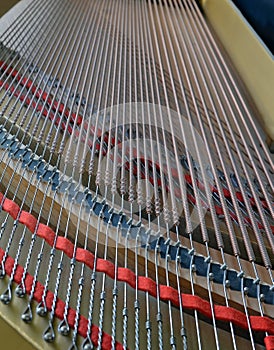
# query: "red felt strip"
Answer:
x=65 y=245
x=28 y=221
x=28 y=83
x=126 y=275
x=86 y=257
x=231 y=315
x=46 y=233
x=269 y=342
x=11 y=207
x=60 y=305
x=145 y=284
x=105 y=266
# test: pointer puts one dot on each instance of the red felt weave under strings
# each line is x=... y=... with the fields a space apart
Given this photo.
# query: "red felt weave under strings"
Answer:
x=60 y=305
x=167 y=293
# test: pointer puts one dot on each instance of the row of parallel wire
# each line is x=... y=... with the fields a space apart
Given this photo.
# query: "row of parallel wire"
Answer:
x=137 y=55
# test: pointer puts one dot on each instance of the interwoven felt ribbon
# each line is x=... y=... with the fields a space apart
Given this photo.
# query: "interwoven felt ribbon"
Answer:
x=145 y=284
